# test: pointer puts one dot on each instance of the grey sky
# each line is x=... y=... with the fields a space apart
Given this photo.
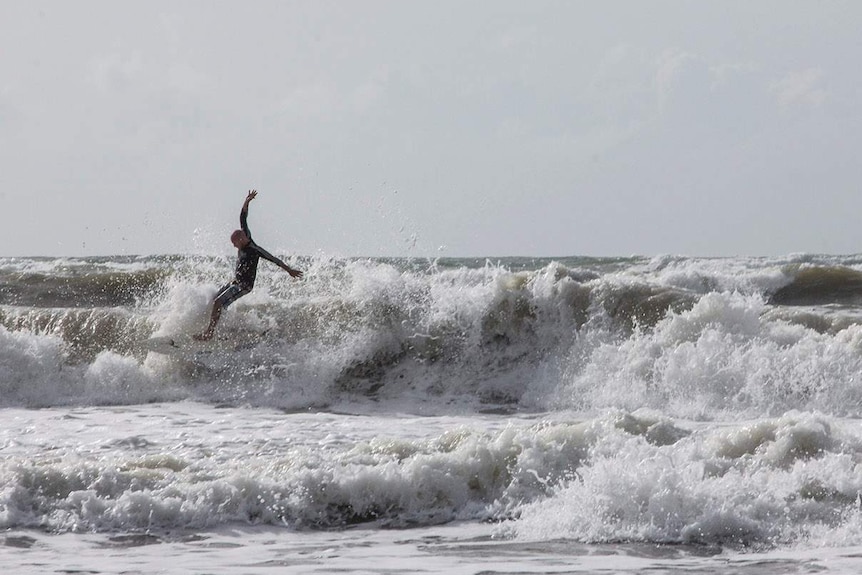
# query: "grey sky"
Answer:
x=432 y=127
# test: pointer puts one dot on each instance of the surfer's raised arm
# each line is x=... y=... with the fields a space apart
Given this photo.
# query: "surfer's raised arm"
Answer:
x=243 y=214
x=252 y=194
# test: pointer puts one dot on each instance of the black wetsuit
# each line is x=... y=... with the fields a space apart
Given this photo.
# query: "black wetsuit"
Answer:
x=248 y=257
x=246 y=267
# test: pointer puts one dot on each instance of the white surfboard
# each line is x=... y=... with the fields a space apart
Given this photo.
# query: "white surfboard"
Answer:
x=187 y=347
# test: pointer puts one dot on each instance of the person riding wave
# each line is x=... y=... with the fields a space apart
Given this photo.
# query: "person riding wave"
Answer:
x=248 y=257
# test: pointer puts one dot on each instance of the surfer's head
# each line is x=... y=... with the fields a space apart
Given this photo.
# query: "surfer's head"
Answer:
x=239 y=239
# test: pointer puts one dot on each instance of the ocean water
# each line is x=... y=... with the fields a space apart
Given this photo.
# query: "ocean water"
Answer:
x=514 y=415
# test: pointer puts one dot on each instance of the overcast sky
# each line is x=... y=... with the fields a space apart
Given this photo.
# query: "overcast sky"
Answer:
x=424 y=128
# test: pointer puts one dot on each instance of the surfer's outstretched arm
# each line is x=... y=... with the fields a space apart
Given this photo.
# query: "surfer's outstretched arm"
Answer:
x=268 y=256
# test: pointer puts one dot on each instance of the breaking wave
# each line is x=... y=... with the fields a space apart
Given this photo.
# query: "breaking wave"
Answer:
x=696 y=336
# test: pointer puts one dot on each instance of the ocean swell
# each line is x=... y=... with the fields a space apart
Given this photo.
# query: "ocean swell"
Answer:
x=694 y=338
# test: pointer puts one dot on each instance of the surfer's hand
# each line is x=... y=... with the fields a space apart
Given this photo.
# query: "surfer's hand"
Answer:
x=294 y=273
x=252 y=194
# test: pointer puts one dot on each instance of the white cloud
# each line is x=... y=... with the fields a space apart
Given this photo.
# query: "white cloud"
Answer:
x=671 y=74
x=115 y=72
x=802 y=88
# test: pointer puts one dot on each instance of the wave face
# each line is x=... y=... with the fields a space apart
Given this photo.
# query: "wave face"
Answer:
x=696 y=338
x=671 y=400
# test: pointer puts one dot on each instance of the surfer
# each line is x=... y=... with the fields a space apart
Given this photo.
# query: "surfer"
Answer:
x=248 y=256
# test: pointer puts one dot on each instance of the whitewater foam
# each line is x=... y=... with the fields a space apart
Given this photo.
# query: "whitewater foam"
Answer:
x=776 y=482
x=615 y=402
x=587 y=334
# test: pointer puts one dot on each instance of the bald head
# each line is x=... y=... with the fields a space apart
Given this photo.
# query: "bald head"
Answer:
x=239 y=239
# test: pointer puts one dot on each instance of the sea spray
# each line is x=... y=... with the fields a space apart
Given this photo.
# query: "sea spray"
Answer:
x=696 y=338
x=722 y=358
x=598 y=413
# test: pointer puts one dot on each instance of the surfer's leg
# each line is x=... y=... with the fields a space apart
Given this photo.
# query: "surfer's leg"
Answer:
x=214 y=318
x=226 y=296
